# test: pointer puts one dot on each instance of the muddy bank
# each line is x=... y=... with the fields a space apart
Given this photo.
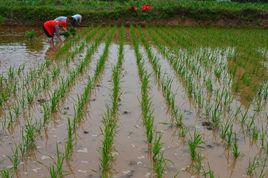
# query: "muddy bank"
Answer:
x=31 y=15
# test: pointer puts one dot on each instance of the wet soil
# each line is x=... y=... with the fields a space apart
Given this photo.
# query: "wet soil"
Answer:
x=130 y=150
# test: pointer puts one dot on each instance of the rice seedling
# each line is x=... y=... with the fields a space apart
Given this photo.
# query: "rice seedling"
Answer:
x=55 y=72
x=252 y=166
x=235 y=150
x=69 y=143
x=5 y=173
x=209 y=173
x=254 y=134
x=11 y=73
x=182 y=131
x=52 y=172
x=14 y=159
x=108 y=131
x=28 y=136
x=195 y=142
x=197 y=165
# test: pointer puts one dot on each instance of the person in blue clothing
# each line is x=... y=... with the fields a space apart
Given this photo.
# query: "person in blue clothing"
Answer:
x=75 y=19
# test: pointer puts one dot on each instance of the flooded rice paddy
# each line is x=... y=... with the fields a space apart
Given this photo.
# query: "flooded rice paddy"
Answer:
x=135 y=102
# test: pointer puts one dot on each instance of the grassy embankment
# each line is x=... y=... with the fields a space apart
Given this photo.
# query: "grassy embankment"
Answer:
x=164 y=12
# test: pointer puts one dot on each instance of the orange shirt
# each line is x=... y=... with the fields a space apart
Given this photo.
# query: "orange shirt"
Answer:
x=53 y=26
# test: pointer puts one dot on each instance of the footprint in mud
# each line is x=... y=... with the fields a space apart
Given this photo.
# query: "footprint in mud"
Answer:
x=41 y=100
x=66 y=108
x=126 y=112
x=187 y=112
x=207 y=124
x=128 y=173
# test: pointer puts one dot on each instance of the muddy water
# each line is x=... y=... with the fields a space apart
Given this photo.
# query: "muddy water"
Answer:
x=130 y=142
x=16 y=49
x=130 y=151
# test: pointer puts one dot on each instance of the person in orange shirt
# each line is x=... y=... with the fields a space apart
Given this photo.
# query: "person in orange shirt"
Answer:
x=54 y=28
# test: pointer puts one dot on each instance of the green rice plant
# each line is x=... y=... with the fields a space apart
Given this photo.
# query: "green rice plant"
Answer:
x=5 y=173
x=108 y=131
x=195 y=142
x=209 y=85
x=227 y=127
x=229 y=137
x=46 y=112
x=262 y=172
x=20 y=69
x=254 y=133
x=235 y=150
x=59 y=162
x=52 y=171
x=15 y=159
x=55 y=72
x=82 y=100
x=197 y=165
x=215 y=116
x=252 y=166
x=30 y=34
x=157 y=147
x=116 y=89
x=30 y=97
x=209 y=173
x=69 y=143
x=160 y=166
x=182 y=131
x=102 y=60
x=11 y=73
x=158 y=158
x=28 y=136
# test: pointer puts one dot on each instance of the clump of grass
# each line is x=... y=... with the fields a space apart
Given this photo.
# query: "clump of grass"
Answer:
x=2 y=20
x=46 y=112
x=69 y=143
x=30 y=34
x=5 y=173
x=235 y=150
x=108 y=131
x=195 y=142
x=252 y=166
x=15 y=159
x=28 y=138
x=158 y=158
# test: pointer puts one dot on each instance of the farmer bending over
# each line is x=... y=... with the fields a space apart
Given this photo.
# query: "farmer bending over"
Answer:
x=54 y=28
x=75 y=19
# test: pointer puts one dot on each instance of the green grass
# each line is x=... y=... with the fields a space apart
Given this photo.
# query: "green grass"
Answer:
x=195 y=142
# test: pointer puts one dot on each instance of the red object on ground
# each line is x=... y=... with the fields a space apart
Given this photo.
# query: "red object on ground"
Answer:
x=49 y=26
x=146 y=7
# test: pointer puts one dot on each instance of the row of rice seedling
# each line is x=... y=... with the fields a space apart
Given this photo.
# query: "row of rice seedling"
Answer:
x=35 y=89
x=14 y=85
x=165 y=84
x=246 y=66
x=78 y=49
x=33 y=128
x=51 y=106
x=79 y=110
x=111 y=114
x=195 y=141
x=154 y=140
x=215 y=113
x=229 y=134
x=71 y=42
x=11 y=86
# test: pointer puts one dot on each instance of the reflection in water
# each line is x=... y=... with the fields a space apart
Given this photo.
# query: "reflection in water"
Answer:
x=16 y=49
